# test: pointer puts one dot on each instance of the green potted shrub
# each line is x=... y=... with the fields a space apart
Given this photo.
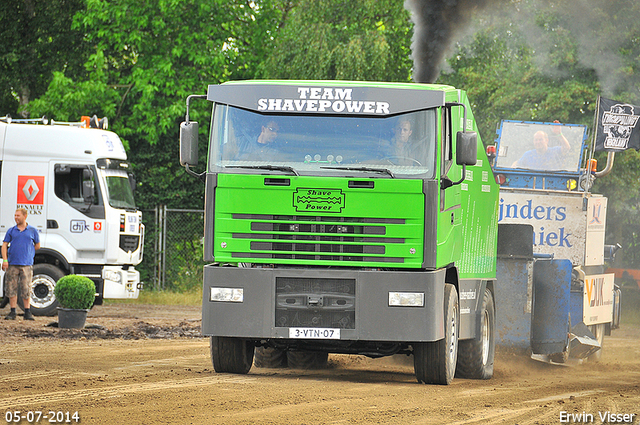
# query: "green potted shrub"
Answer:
x=76 y=295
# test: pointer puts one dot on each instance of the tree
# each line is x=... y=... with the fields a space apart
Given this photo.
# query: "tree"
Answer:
x=541 y=60
x=37 y=39
x=504 y=79
x=342 y=40
x=146 y=58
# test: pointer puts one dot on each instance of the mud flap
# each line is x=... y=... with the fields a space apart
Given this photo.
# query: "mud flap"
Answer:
x=514 y=288
x=582 y=343
x=551 y=297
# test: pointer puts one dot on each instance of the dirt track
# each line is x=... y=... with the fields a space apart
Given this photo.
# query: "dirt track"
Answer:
x=148 y=365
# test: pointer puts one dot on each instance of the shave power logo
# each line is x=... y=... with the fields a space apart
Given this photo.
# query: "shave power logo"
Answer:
x=325 y=200
x=31 y=194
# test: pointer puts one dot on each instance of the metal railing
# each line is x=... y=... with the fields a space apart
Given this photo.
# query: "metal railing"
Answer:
x=173 y=248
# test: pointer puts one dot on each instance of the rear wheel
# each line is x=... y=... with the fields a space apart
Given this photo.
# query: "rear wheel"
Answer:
x=475 y=356
x=231 y=355
x=307 y=359
x=43 y=301
x=435 y=362
x=270 y=357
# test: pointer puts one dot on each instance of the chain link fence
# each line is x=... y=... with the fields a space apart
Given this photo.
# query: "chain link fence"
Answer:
x=173 y=249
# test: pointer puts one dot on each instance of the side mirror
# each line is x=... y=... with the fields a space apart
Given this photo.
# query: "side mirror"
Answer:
x=466 y=148
x=132 y=182
x=189 y=143
x=87 y=191
x=87 y=185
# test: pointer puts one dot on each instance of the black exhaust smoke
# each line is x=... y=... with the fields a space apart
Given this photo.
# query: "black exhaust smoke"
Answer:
x=435 y=24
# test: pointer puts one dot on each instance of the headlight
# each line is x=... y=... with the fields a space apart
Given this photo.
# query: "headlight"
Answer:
x=232 y=295
x=406 y=299
x=112 y=276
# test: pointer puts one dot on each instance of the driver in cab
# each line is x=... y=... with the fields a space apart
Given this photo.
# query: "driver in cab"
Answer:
x=543 y=157
x=404 y=150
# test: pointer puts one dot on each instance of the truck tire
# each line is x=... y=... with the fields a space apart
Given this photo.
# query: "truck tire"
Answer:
x=43 y=301
x=475 y=356
x=231 y=355
x=307 y=360
x=269 y=357
x=435 y=362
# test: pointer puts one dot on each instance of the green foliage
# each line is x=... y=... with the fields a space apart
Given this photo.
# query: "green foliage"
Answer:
x=151 y=296
x=75 y=292
x=498 y=69
x=135 y=62
x=37 y=39
x=623 y=209
x=181 y=249
x=184 y=251
x=539 y=60
x=68 y=100
x=342 y=40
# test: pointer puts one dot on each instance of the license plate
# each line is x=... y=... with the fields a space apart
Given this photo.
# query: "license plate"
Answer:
x=314 y=333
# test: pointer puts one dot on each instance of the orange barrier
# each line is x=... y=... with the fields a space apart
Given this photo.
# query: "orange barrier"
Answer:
x=626 y=274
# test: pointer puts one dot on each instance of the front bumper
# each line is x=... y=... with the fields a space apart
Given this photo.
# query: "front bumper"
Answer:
x=120 y=283
x=276 y=300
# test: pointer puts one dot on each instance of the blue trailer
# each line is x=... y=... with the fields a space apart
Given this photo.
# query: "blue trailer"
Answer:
x=554 y=297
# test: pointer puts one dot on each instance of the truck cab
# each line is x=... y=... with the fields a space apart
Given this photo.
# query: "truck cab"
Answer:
x=346 y=217
x=75 y=184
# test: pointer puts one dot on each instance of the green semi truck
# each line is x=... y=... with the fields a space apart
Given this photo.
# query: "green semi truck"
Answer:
x=346 y=217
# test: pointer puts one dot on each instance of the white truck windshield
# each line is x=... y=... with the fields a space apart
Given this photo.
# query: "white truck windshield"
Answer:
x=119 y=191
x=402 y=144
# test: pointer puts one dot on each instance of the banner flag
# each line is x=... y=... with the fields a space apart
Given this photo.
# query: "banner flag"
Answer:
x=617 y=127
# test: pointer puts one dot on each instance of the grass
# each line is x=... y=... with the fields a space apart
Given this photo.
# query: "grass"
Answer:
x=192 y=298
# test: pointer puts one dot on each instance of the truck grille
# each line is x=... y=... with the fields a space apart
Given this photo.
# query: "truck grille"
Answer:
x=129 y=243
x=325 y=238
x=316 y=303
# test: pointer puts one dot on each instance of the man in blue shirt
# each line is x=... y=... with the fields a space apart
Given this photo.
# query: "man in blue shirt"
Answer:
x=542 y=157
x=18 y=250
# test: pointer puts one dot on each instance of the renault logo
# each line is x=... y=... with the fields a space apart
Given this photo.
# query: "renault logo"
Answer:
x=30 y=189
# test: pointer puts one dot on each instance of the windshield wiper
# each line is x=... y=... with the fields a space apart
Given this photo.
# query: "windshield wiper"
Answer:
x=266 y=167
x=375 y=170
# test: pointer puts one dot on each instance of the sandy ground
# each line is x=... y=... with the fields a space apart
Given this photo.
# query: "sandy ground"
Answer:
x=149 y=365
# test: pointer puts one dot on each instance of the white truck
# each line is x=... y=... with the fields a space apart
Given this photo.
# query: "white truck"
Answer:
x=74 y=181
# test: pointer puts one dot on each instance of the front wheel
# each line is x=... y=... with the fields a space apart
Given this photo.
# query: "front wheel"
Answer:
x=43 y=301
x=269 y=357
x=307 y=359
x=435 y=362
x=231 y=355
x=475 y=356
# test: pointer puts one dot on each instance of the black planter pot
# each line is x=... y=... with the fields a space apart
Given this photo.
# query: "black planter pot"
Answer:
x=70 y=318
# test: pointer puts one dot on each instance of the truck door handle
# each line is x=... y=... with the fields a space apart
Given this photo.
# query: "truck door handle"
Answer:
x=356 y=184
x=276 y=182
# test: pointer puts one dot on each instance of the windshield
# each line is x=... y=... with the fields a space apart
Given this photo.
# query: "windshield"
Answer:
x=540 y=146
x=320 y=144
x=119 y=191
